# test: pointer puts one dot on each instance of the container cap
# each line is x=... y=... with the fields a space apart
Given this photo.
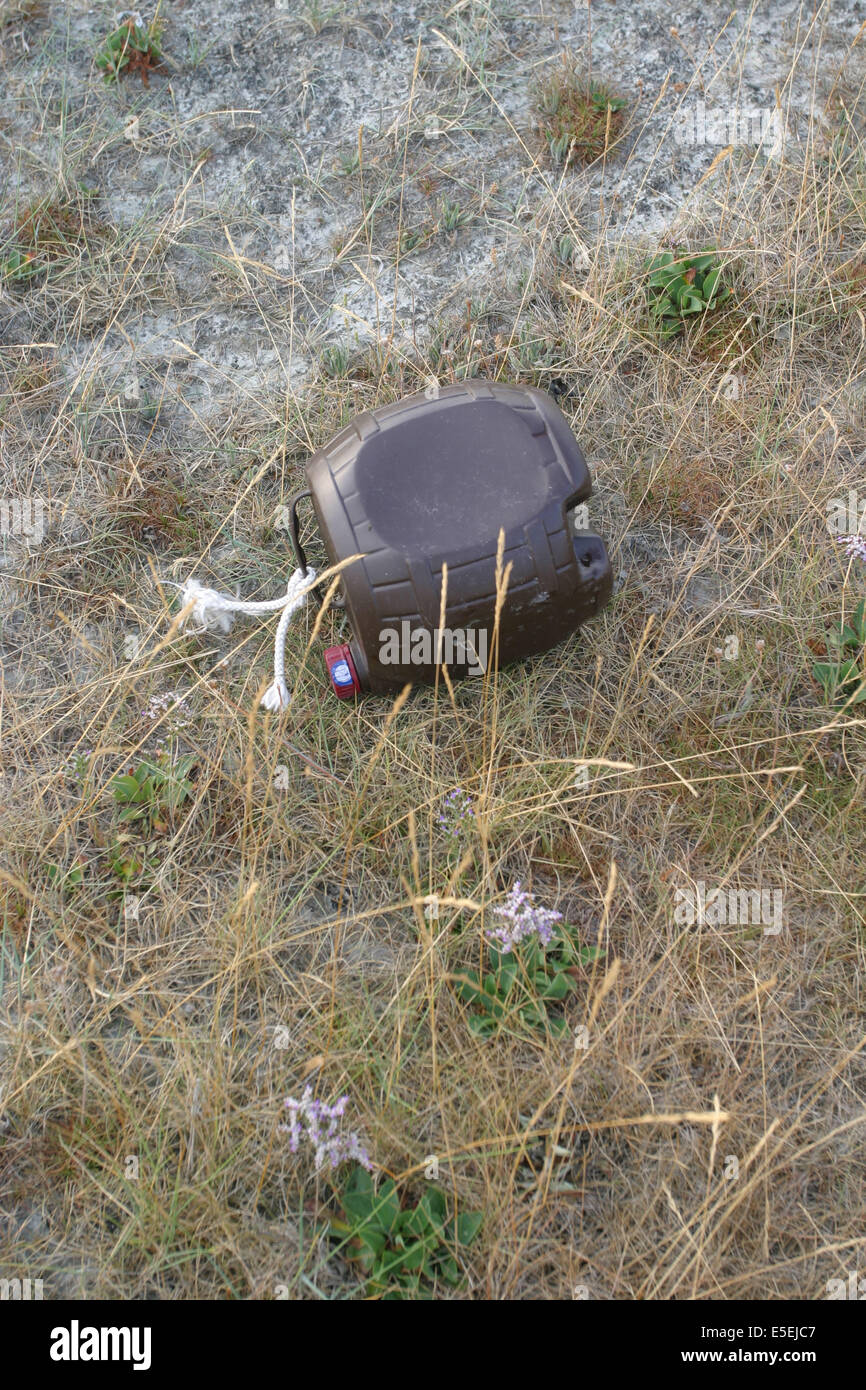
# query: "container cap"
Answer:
x=342 y=673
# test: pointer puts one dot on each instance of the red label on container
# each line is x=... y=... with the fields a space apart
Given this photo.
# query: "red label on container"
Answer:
x=342 y=673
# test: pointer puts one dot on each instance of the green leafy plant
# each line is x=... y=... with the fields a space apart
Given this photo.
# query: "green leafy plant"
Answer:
x=679 y=286
x=66 y=879
x=531 y=350
x=130 y=861
x=524 y=985
x=19 y=265
x=403 y=1251
x=348 y=163
x=153 y=789
x=452 y=216
x=412 y=238
x=841 y=676
x=130 y=47
x=43 y=233
x=566 y=250
x=335 y=361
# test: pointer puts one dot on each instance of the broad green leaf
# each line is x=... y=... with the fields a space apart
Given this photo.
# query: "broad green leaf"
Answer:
x=467 y=987
x=467 y=1225
x=710 y=282
x=450 y=1270
x=361 y=1180
x=358 y=1206
x=558 y=987
x=388 y=1204
x=434 y=1204
x=590 y=953
x=534 y=1015
x=125 y=787
x=371 y=1238
x=480 y=1025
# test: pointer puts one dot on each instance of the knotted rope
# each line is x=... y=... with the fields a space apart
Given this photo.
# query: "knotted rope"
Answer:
x=215 y=612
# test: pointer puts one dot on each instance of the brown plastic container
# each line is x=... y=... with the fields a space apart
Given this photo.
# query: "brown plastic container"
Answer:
x=430 y=481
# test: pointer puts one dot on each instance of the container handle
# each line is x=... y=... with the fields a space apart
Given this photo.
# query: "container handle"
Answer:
x=300 y=553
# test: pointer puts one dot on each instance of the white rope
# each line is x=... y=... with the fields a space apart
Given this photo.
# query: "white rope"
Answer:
x=215 y=612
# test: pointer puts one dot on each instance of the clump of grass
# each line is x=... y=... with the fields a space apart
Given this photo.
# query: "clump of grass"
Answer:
x=728 y=335
x=685 y=490
x=43 y=232
x=413 y=238
x=19 y=11
x=317 y=15
x=579 y=116
x=160 y=510
x=348 y=163
x=27 y=378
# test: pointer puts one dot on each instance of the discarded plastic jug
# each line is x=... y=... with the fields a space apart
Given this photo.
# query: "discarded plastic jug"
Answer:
x=427 y=483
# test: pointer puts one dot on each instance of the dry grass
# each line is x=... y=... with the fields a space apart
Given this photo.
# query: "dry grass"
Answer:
x=19 y=11
x=164 y=990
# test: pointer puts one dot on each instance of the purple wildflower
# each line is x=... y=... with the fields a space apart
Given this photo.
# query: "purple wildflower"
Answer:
x=320 y=1124
x=456 y=814
x=854 y=545
x=523 y=918
x=171 y=706
x=78 y=766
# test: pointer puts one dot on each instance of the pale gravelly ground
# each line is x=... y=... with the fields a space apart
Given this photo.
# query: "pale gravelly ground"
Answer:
x=307 y=210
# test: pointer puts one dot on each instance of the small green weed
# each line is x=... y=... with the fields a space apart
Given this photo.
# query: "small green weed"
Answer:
x=679 y=286
x=412 y=238
x=335 y=361
x=404 y=1252
x=47 y=232
x=131 y=47
x=452 y=216
x=843 y=679
x=154 y=789
x=66 y=879
x=522 y=985
x=19 y=265
x=129 y=861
